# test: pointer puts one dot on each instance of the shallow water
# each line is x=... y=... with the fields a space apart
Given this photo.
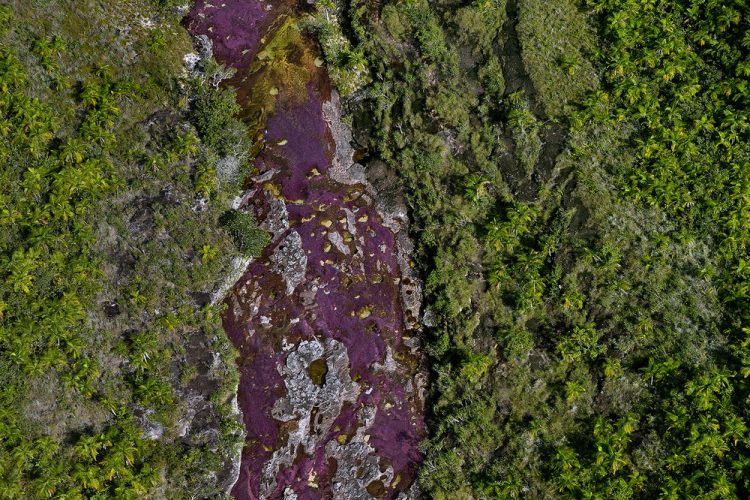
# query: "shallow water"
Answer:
x=329 y=384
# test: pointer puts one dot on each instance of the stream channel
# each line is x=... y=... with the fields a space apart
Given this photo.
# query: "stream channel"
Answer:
x=325 y=320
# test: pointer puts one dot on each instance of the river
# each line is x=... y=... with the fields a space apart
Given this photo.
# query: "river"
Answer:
x=331 y=385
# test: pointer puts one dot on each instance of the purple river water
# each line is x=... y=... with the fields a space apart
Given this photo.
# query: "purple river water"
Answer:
x=330 y=387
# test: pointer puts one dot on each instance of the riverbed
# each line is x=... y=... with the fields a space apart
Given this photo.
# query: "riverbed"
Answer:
x=325 y=320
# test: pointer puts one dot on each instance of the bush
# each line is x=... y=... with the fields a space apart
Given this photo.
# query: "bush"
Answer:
x=247 y=236
x=491 y=77
x=213 y=113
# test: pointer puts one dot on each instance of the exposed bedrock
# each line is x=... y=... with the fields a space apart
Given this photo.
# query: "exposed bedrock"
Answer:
x=325 y=320
x=289 y=260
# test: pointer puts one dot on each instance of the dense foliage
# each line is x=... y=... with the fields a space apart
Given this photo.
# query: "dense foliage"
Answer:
x=116 y=378
x=578 y=178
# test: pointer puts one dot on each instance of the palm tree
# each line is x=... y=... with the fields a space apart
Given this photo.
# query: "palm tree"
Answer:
x=88 y=476
x=45 y=486
x=90 y=94
x=11 y=73
x=659 y=369
x=23 y=453
x=87 y=447
x=186 y=144
x=73 y=150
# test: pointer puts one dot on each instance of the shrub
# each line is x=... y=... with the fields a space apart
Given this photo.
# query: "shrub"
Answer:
x=491 y=77
x=247 y=236
x=213 y=113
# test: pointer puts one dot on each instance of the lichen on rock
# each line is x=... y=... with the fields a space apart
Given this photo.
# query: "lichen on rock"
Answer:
x=289 y=260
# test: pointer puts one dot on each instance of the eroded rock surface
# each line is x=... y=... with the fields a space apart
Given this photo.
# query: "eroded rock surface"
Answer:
x=326 y=319
x=289 y=260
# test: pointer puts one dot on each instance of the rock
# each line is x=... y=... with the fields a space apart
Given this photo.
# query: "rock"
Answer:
x=235 y=461
x=343 y=168
x=237 y=268
x=338 y=241
x=428 y=318
x=265 y=176
x=191 y=60
x=313 y=407
x=169 y=196
x=204 y=51
x=200 y=204
x=411 y=290
x=204 y=46
x=181 y=10
x=277 y=219
x=389 y=364
x=241 y=199
x=289 y=260
x=359 y=468
x=151 y=430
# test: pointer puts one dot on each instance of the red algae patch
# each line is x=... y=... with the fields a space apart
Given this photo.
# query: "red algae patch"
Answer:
x=329 y=388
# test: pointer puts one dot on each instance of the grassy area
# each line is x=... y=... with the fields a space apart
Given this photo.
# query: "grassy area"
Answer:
x=557 y=44
x=578 y=184
x=110 y=248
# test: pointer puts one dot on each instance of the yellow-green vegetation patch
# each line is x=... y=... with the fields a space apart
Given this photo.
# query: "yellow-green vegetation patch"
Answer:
x=479 y=24
x=318 y=370
x=285 y=62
